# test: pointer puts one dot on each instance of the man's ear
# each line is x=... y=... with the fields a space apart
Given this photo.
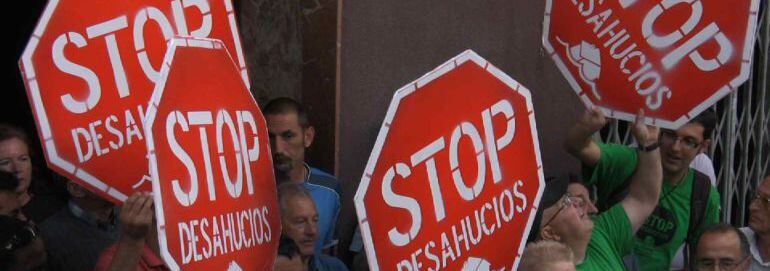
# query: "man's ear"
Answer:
x=547 y=233
x=308 y=135
x=705 y=145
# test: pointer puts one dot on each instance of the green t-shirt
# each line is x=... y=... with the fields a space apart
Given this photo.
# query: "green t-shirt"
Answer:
x=610 y=240
x=665 y=230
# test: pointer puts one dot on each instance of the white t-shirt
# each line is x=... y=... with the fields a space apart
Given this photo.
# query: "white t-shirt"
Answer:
x=756 y=258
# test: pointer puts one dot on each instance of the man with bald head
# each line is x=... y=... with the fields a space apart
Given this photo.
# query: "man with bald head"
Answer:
x=722 y=246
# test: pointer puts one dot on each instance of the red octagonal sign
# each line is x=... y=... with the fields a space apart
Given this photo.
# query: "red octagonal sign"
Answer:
x=672 y=58
x=455 y=172
x=90 y=68
x=210 y=160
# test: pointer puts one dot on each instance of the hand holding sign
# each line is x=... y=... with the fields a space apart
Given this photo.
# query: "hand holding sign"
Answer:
x=136 y=216
x=214 y=190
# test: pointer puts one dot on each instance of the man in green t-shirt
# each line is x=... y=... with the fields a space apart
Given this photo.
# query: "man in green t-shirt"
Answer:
x=600 y=244
x=609 y=167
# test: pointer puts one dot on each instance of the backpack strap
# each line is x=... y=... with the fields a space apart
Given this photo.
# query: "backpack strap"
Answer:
x=699 y=198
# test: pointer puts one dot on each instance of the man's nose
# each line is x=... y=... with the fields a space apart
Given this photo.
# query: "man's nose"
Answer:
x=276 y=145
x=311 y=229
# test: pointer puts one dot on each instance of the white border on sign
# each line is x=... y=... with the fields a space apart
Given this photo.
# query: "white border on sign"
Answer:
x=719 y=93
x=410 y=88
x=151 y=113
x=43 y=124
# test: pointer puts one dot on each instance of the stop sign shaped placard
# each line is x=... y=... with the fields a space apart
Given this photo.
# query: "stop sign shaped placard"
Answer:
x=90 y=68
x=213 y=182
x=455 y=174
x=672 y=58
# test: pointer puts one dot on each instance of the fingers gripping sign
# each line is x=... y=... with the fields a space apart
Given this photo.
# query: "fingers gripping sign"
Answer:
x=645 y=135
x=137 y=215
x=215 y=192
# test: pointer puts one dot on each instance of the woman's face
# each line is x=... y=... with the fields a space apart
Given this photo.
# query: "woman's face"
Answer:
x=14 y=158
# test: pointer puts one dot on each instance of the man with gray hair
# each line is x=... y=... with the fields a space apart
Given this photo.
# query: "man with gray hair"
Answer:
x=299 y=221
x=723 y=246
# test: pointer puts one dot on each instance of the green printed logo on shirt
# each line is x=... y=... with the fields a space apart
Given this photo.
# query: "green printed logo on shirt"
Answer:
x=659 y=228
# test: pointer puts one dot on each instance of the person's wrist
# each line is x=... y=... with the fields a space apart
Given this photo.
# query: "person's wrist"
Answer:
x=648 y=146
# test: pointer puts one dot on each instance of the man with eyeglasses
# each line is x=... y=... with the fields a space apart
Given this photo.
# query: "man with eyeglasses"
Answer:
x=758 y=231
x=722 y=247
x=610 y=166
x=600 y=244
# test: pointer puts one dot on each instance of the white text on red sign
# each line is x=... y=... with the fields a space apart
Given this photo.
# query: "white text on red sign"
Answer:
x=647 y=80
x=88 y=140
x=503 y=207
x=210 y=237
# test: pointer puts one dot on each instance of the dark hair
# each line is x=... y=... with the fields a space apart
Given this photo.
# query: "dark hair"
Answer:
x=287 y=247
x=555 y=188
x=285 y=105
x=8 y=131
x=707 y=119
x=725 y=228
x=8 y=181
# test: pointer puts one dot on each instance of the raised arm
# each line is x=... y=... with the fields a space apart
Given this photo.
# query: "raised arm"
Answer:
x=579 y=142
x=136 y=220
x=645 y=184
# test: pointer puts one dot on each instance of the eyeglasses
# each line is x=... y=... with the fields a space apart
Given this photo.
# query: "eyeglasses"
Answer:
x=567 y=201
x=668 y=137
x=728 y=264
x=764 y=200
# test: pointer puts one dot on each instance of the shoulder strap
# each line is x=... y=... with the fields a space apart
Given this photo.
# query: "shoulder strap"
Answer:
x=701 y=189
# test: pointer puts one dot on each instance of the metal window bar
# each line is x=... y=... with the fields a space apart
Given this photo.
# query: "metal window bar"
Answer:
x=740 y=147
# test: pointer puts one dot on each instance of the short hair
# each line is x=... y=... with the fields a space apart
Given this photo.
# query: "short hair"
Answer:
x=286 y=105
x=291 y=190
x=537 y=254
x=8 y=182
x=8 y=131
x=725 y=228
x=707 y=119
x=287 y=247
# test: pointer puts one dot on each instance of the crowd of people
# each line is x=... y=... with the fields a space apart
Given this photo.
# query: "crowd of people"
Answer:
x=649 y=210
x=640 y=207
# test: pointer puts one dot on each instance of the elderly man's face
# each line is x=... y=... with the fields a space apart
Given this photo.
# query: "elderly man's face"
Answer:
x=580 y=191
x=300 y=223
x=759 y=209
x=721 y=251
x=567 y=219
